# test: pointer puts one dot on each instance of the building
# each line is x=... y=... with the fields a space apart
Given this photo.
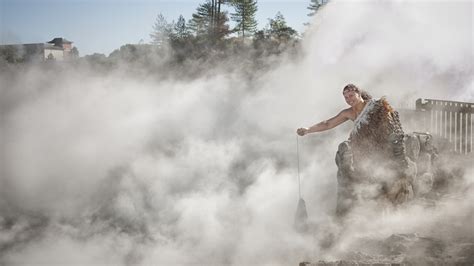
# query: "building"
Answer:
x=58 y=49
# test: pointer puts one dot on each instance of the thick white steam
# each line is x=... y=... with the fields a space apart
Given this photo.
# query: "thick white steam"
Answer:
x=120 y=170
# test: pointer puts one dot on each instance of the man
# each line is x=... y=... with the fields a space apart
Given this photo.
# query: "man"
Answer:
x=372 y=163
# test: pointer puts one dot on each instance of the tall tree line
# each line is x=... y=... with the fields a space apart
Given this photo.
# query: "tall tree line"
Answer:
x=210 y=21
x=208 y=35
x=209 y=29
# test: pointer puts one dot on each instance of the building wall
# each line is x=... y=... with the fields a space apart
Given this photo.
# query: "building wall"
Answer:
x=33 y=52
x=57 y=55
x=67 y=47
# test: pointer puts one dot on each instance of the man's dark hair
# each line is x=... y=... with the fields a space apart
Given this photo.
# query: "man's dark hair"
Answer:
x=351 y=87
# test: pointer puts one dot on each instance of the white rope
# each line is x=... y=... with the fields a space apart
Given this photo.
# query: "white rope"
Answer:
x=298 y=160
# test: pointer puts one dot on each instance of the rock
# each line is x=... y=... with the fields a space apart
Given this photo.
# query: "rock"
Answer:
x=405 y=249
x=412 y=145
x=423 y=184
x=301 y=217
x=395 y=166
x=375 y=157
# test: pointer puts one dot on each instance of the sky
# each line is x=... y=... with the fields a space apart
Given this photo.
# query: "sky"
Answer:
x=102 y=26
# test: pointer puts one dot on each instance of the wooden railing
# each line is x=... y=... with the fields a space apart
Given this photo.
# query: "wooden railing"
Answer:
x=449 y=120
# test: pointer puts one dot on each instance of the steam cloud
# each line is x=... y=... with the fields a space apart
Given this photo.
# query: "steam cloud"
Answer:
x=116 y=169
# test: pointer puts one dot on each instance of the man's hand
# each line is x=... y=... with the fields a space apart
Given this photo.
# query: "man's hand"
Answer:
x=302 y=131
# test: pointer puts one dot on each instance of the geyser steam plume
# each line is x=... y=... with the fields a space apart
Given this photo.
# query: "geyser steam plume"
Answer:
x=120 y=170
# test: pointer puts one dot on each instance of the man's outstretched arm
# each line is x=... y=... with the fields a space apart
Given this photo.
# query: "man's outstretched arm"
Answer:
x=340 y=118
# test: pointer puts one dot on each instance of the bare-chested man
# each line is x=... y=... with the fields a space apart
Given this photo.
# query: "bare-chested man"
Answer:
x=355 y=97
x=374 y=154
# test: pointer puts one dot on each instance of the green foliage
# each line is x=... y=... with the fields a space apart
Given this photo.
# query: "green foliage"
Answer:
x=50 y=57
x=244 y=16
x=278 y=28
x=201 y=20
x=315 y=5
x=180 y=31
x=74 y=53
x=126 y=53
x=161 y=30
x=95 y=58
x=209 y=22
x=276 y=38
x=10 y=54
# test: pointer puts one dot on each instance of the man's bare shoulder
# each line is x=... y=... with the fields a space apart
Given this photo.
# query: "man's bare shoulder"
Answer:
x=348 y=113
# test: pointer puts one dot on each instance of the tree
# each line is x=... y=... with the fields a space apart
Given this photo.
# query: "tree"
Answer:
x=161 y=30
x=126 y=53
x=209 y=21
x=50 y=57
x=315 y=5
x=181 y=40
x=201 y=20
x=96 y=59
x=74 y=53
x=244 y=16
x=278 y=28
x=10 y=53
x=219 y=18
x=276 y=37
x=180 y=30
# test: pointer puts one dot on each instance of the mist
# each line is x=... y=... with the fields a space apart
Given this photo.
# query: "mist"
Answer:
x=126 y=169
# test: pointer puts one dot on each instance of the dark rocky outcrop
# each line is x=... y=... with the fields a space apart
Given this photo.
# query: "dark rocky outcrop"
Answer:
x=381 y=164
x=374 y=162
x=405 y=249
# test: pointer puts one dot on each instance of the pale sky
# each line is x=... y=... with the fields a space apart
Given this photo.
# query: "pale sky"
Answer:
x=101 y=26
